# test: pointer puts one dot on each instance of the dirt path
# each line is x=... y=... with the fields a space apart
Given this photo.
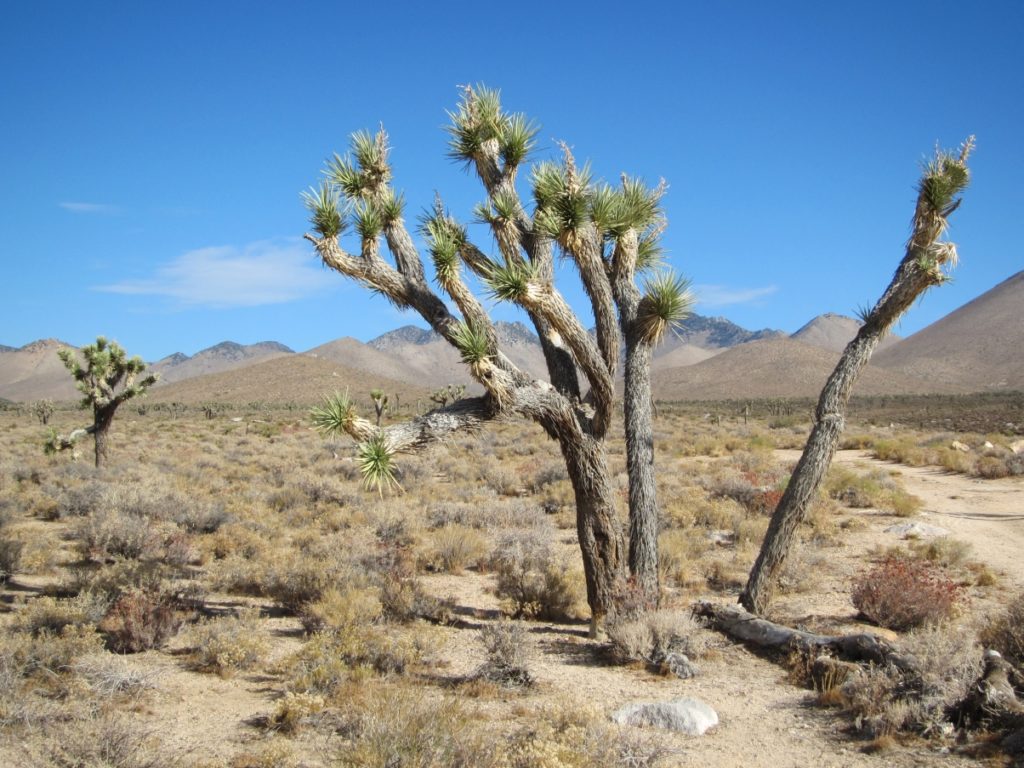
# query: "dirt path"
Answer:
x=988 y=514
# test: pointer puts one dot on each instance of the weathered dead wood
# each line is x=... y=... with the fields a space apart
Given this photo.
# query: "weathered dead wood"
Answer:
x=738 y=623
x=993 y=699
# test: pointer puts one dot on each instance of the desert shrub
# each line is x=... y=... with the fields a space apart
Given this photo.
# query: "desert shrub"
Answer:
x=404 y=727
x=506 y=646
x=531 y=582
x=51 y=615
x=102 y=740
x=902 y=594
x=654 y=637
x=943 y=551
x=10 y=556
x=454 y=547
x=1005 y=632
x=230 y=643
x=180 y=548
x=110 y=534
x=295 y=711
x=80 y=500
x=198 y=517
x=139 y=621
x=47 y=654
x=329 y=659
x=992 y=468
x=341 y=608
x=297 y=579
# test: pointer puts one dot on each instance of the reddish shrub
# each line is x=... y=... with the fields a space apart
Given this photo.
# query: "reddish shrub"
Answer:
x=901 y=594
x=139 y=621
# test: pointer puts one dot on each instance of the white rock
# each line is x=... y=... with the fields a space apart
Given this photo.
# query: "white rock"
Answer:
x=1017 y=447
x=956 y=445
x=916 y=530
x=690 y=716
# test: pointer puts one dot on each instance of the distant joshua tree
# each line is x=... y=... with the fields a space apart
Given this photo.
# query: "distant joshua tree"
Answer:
x=108 y=379
x=610 y=234
x=380 y=403
x=42 y=410
x=924 y=265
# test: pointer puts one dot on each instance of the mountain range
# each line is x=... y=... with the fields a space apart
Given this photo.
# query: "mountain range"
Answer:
x=978 y=347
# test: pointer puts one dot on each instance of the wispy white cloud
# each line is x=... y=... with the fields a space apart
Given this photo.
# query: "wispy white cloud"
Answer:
x=721 y=295
x=265 y=272
x=79 y=207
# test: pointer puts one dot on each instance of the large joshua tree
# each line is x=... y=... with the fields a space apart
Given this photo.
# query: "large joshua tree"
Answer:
x=108 y=379
x=925 y=264
x=611 y=236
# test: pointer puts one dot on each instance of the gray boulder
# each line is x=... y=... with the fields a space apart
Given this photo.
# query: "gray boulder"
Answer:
x=690 y=716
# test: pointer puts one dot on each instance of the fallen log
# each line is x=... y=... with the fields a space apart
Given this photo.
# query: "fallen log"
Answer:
x=742 y=625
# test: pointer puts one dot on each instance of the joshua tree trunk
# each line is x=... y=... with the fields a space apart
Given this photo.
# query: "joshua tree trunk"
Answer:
x=597 y=526
x=643 y=497
x=100 y=434
x=921 y=268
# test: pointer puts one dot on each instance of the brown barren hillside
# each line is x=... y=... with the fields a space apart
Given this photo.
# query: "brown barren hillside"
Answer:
x=35 y=372
x=980 y=346
x=833 y=332
x=225 y=356
x=775 y=368
x=294 y=378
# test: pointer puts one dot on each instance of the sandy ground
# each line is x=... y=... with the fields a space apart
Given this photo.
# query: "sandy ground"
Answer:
x=764 y=719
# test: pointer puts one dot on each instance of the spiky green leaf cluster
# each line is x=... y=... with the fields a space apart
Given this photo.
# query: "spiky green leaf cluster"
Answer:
x=509 y=282
x=335 y=415
x=365 y=172
x=324 y=208
x=649 y=253
x=563 y=198
x=667 y=301
x=445 y=237
x=501 y=209
x=479 y=119
x=472 y=343
x=945 y=176
x=376 y=464
x=368 y=220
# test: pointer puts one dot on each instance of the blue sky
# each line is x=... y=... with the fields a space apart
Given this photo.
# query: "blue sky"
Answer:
x=153 y=154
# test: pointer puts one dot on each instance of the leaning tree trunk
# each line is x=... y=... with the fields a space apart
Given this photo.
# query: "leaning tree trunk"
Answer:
x=597 y=525
x=921 y=268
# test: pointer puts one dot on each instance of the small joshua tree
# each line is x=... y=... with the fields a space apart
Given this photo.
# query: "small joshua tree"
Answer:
x=380 y=403
x=42 y=410
x=107 y=379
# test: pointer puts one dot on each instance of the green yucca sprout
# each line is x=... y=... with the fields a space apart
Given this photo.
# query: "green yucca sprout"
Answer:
x=376 y=464
x=649 y=253
x=563 y=198
x=666 y=303
x=477 y=119
x=945 y=176
x=444 y=239
x=509 y=282
x=391 y=206
x=548 y=181
x=344 y=173
x=641 y=206
x=335 y=415
x=471 y=342
x=369 y=221
x=325 y=216
x=606 y=209
x=518 y=139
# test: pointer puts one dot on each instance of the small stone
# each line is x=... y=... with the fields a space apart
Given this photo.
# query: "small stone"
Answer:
x=916 y=530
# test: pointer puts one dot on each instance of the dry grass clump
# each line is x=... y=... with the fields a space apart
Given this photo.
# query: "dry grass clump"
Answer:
x=113 y=675
x=453 y=548
x=877 y=489
x=986 y=456
x=141 y=620
x=657 y=639
x=902 y=594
